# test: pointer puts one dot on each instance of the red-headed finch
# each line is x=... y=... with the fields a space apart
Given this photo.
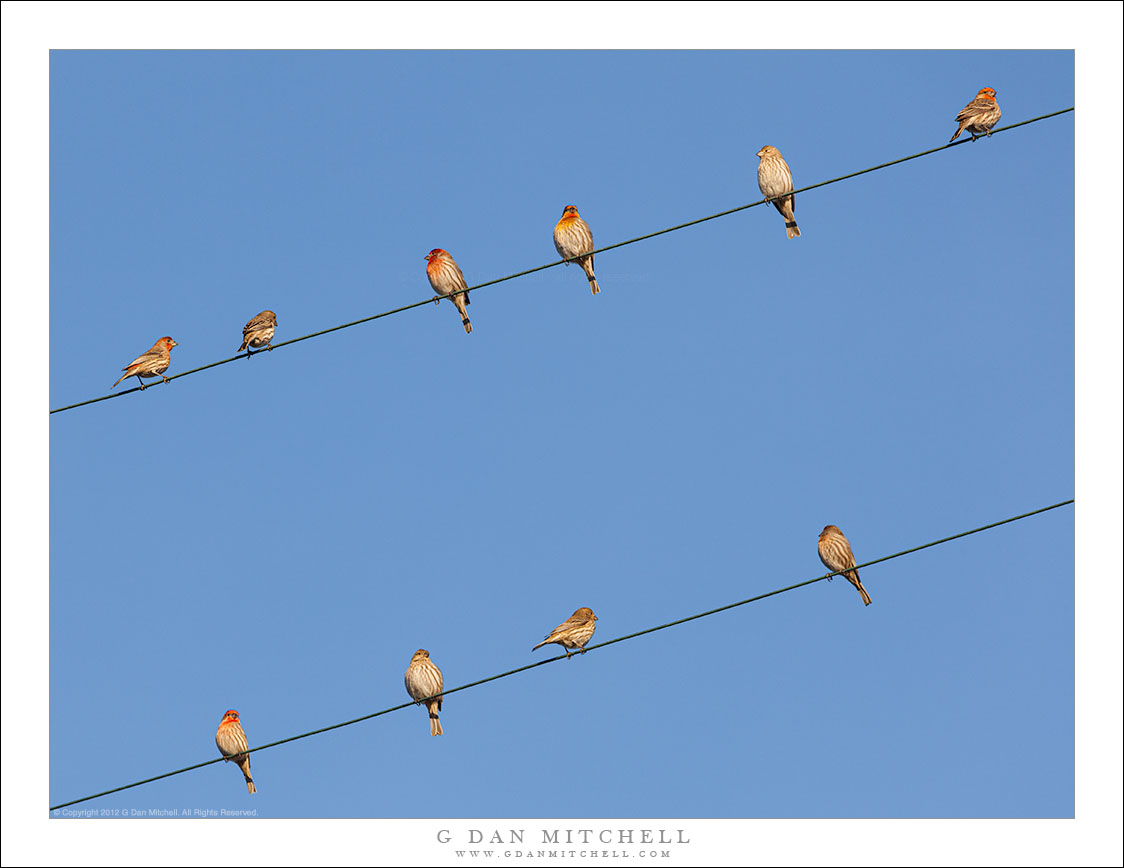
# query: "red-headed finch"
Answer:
x=574 y=632
x=423 y=681
x=572 y=237
x=979 y=116
x=232 y=745
x=835 y=552
x=152 y=364
x=258 y=332
x=445 y=277
x=775 y=180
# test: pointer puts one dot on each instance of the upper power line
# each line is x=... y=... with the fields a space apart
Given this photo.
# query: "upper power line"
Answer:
x=560 y=261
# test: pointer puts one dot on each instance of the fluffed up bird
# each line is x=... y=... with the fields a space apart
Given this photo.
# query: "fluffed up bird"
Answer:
x=775 y=180
x=446 y=278
x=574 y=632
x=423 y=681
x=152 y=364
x=979 y=116
x=258 y=332
x=835 y=552
x=573 y=237
x=232 y=745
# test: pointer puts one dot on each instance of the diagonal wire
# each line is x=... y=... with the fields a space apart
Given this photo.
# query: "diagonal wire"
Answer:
x=559 y=262
x=590 y=648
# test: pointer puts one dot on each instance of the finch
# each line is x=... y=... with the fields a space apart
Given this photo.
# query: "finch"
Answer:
x=574 y=632
x=232 y=745
x=258 y=332
x=446 y=278
x=835 y=552
x=424 y=681
x=572 y=237
x=979 y=116
x=775 y=180
x=152 y=364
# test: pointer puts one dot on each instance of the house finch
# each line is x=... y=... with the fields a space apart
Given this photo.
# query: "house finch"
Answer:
x=775 y=180
x=445 y=277
x=152 y=364
x=423 y=678
x=979 y=116
x=258 y=332
x=232 y=745
x=574 y=632
x=572 y=237
x=835 y=552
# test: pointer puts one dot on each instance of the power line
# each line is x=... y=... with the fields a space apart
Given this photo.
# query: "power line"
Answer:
x=590 y=648
x=560 y=262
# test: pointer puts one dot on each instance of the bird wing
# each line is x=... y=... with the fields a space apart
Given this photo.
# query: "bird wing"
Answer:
x=151 y=355
x=974 y=109
x=260 y=321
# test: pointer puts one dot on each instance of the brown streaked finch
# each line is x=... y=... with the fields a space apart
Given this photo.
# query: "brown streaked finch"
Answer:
x=258 y=332
x=152 y=364
x=232 y=745
x=835 y=552
x=979 y=116
x=424 y=683
x=573 y=237
x=775 y=180
x=446 y=278
x=574 y=632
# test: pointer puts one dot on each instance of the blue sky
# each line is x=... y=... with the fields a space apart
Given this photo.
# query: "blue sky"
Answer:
x=280 y=535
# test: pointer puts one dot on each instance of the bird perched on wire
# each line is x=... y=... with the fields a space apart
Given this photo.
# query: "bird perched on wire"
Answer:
x=775 y=180
x=573 y=237
x=446 y=278
x=232 y=745
x=152 y=364
x=574 y=632
x=979 y=116
x=835 y=552
x=258 y=332
x=424 y=683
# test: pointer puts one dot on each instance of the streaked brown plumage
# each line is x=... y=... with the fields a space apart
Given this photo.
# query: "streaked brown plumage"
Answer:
x=231 y=740
x=979 y=116
x=835 y=552
x=424 y=680
x=574 y=632
x=445 y=277
x=152 y=364
x=258 y=332
x=573 y=237
x=775 y=180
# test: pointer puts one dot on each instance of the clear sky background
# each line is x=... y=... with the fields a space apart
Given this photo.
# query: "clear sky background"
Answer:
x=279 y=535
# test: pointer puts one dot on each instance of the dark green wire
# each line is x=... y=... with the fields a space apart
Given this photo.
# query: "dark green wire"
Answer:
x=556 y=659
x=559 y=262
